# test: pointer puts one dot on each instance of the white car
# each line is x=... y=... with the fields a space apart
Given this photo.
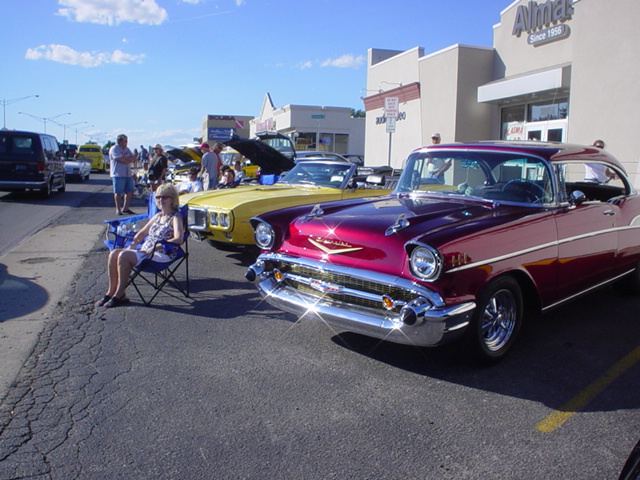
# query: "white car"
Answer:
x=77 y=169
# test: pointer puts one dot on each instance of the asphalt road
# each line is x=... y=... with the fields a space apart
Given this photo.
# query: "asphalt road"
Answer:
x=223 y=386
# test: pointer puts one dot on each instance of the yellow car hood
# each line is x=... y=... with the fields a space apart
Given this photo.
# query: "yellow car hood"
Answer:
x=263 y=198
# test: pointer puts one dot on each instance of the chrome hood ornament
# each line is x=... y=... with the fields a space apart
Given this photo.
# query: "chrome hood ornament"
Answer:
x=315 y=213
x=401 y=223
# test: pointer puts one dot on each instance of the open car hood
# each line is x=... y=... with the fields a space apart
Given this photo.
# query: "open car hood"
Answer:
x=186 y=154
x=270 y=161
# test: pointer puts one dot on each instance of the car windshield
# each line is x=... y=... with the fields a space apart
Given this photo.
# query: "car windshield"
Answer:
x=503 y=176
x=320 y=174
x=282 y=145
x=229 y=158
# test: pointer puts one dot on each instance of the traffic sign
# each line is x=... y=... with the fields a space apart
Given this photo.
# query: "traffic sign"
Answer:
x=391 y=124
x=391 y=107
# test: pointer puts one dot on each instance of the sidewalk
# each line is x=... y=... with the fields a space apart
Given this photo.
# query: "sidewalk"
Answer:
x=34 y=277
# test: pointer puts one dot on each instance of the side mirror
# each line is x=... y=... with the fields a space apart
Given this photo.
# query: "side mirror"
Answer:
x=577 y=198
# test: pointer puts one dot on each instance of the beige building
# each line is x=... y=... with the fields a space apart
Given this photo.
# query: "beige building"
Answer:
x=218 y=128
x=558 y=70
x=330 y=129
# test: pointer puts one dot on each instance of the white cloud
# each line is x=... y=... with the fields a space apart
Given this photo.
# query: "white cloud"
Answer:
x=239 y=3
x=345 y=61
x=305 y=65
x=64 y=54
x=113 y=12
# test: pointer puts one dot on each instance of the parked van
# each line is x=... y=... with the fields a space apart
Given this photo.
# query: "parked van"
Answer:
x=30 y=161
x=93 y=153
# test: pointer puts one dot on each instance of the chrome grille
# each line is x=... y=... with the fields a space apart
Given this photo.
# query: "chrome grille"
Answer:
x=400 y=295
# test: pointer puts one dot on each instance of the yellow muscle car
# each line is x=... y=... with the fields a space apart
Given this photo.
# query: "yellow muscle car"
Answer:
x=222 y=216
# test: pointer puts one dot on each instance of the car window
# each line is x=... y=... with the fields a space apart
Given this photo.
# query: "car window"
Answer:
x=489 y=175
x=599 y=182
x=17 y=145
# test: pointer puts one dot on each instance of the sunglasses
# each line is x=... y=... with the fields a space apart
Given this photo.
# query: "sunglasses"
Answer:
x=162 y=197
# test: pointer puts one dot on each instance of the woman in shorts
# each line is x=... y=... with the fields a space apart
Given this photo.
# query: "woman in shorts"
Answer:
x=165 y=225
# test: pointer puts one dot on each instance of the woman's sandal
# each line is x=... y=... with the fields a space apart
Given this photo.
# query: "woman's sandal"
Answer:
x=116 y=302
x=102 y=301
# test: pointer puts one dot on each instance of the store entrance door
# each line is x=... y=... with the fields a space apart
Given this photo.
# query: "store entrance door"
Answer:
x=551 y=131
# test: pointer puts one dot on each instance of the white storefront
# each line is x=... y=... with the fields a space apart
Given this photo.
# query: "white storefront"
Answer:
x=558 y=70
x=330 y=129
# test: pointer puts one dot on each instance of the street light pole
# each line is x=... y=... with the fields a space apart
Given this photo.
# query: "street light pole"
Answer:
x=9 y=102
x=88 y=126
x=44 y=120
x=65 y=126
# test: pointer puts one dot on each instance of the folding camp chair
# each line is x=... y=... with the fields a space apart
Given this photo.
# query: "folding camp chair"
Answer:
x=156 y=274
x=160 y=274
x=120 y=231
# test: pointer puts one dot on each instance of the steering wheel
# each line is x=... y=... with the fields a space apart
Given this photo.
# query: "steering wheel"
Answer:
x=526 y=186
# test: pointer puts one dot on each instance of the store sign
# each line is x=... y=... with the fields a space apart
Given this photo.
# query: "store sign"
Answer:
x=548 y=35
x=534 y=16
x=222 y=117
x=220 y=134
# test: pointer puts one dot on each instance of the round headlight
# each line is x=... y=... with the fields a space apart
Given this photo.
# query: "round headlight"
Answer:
x=213 y=219
x=223 y=220
x=264 y=236
x=425 y=263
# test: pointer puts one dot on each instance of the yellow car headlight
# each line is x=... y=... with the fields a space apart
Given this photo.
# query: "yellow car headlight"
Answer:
x=223 y=220
x=213 y=219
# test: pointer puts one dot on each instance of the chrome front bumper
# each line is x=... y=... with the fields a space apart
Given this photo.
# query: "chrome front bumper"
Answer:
x=423 y=319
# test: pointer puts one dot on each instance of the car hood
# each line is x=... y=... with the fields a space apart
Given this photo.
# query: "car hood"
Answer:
x=270 y=196
x=377 y=230
x=270 y=161
x=186 y=154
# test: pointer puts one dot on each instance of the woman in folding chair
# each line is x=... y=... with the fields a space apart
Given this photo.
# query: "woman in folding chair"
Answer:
x=167 y=225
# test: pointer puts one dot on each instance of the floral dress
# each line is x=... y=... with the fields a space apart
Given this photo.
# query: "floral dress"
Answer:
x=160 y=231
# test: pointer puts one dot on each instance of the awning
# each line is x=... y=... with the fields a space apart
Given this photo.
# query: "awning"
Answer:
x=523 y=86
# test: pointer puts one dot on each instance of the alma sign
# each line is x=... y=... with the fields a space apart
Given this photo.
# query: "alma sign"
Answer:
x=534 y=16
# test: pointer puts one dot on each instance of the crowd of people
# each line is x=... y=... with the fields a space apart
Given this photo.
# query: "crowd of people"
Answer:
x=132 y=169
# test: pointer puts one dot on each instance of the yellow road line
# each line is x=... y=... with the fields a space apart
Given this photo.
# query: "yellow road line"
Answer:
x=577 y=403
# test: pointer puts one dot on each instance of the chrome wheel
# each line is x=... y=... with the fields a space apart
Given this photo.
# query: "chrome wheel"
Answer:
x=499 y=320
x=496 y=320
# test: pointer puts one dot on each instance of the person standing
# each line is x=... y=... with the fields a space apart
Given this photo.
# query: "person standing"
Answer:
x=597 y=172
x=120 y=160
x=158 y=167
x=437 y=166
x=210 y=165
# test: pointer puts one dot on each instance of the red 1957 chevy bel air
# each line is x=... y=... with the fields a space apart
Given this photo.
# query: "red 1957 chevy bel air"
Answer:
x=511 y=228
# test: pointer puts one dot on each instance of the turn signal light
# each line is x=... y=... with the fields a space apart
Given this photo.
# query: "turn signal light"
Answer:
x=388 y=302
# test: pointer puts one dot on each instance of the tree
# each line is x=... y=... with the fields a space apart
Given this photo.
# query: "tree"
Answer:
x=358 y=113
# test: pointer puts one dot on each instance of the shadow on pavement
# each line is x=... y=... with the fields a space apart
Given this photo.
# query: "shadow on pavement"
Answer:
x=19 y=296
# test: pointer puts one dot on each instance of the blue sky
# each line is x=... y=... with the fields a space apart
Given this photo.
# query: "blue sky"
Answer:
x=154 y=68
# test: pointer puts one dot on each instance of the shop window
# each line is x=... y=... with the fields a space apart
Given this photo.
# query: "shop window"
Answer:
x=540 y=112
x=342 y=143
x=326 y=142
x=513 y=122
x=306 y=141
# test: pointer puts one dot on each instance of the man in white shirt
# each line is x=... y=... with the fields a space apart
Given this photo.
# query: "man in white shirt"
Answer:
x=193 y=184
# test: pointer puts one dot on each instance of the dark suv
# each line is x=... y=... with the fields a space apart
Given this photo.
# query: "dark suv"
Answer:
x=30 y=161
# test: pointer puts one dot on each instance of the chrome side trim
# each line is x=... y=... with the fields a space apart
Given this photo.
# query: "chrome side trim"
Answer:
x=590 y=289
x=555 y=243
